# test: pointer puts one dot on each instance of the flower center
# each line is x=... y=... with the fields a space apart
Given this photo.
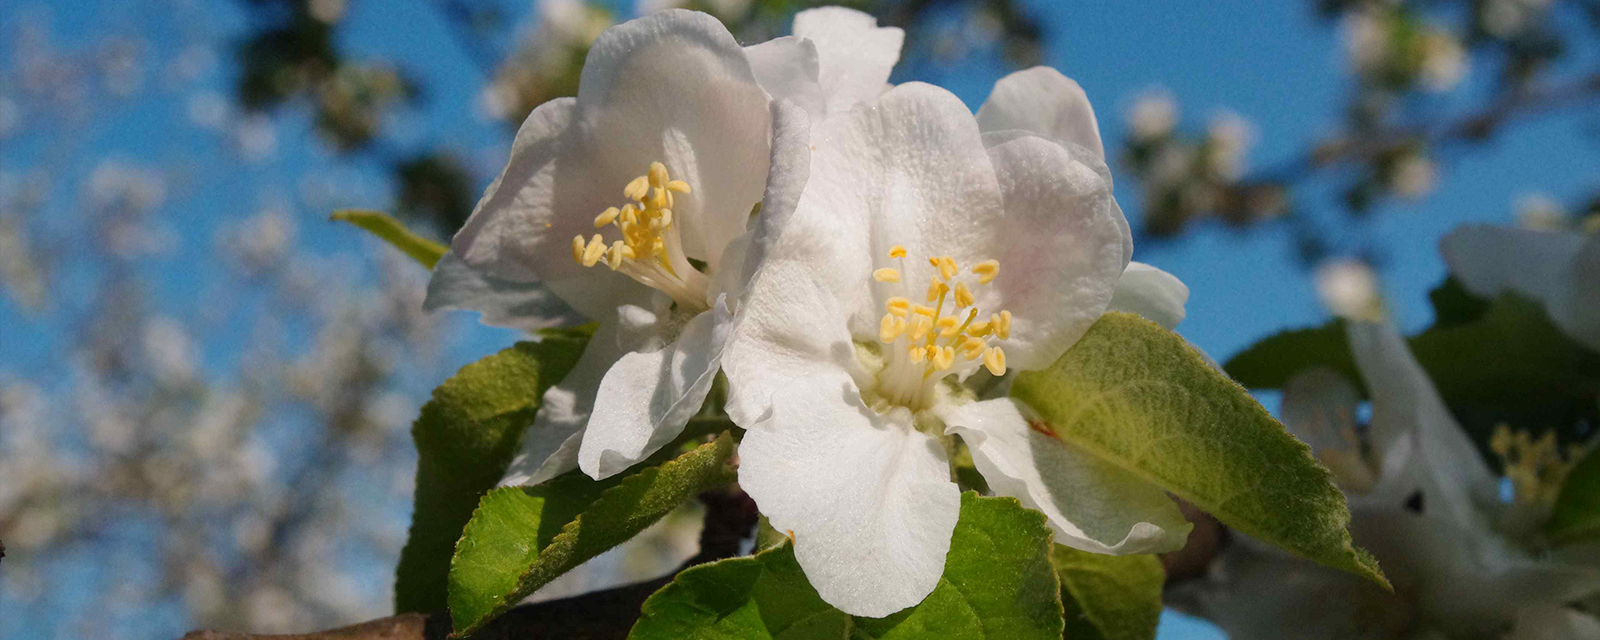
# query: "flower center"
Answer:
x=924 y=343
x=650 y=250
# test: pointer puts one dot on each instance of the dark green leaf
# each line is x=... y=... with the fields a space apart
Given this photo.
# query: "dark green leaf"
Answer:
x=998 y=583
x=465 y=437
x=1509 y=366
x=1137 y=396
x=502 y=556
x=1110 y=597
x=1577 y=509
x=391 y=231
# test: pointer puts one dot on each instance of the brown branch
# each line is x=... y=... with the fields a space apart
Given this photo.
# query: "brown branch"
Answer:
x=1475 y=126
x=600 y=615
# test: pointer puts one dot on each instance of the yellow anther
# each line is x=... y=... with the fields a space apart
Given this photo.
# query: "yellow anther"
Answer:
x=577 y=249
x=678 y=186
x=973 y=348
x=1002 y=326
x=637 y=188
x=986 y=271
x=593 y=252
x=924 y=310
x=619 y=250
x=947 y=326
x=995 y=361
x=944 y=358
x=979 y=329
x=897 y=251
x=916 y=354
x=964 y=297
x=886 y=274
x=658 y=175
x=947 y=267
x=920 y=327
x=658 y=199
x=933 y=261
x=606 y=217
x=898 y=306
x=630 y=214
x=890 y=328
x=665 y=218
x=936 y=289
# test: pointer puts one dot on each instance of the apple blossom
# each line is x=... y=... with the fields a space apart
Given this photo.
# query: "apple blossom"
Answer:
x=1422 y=500
x=624 y=204
x=923 y=255
x=1560 y=269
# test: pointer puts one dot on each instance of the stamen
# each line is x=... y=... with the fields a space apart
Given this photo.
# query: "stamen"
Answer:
x=897 y=251
x=886 y=274
x=986 y=271
x=964 y=297
x=995 y=361
x=936 y=289
x=637 y=188
x=947 y=267
x=596 y=248
x=920 y=327
x=916 y=355
x=650 y=250
x=898 y=306
x=947 y=326
x=890 y=328
x=922 y=309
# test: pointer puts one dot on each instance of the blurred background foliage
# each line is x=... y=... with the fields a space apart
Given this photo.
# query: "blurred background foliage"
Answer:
x=222 y=442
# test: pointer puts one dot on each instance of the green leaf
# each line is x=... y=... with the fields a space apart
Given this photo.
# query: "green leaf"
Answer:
x=503 y=555
x=390 y=230
x=1510 y=365
x=1453 y=304
x=465 y=436
x=1110 y=597
x=998 y=583
x=1577 y=510
x=1137 y=396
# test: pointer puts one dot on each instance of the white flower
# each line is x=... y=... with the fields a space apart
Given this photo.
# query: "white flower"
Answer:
x=925 y=252
x=1422 y=500
x=669 y=123
x=1560 y=269
x=836 y=59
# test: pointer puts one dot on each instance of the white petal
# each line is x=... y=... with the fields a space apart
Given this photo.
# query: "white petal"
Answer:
x=550 y=446
x=1319 y=408
x=1264 y=594
x=1577 y=310
x=1060 y=247
x=648 y=396
x=787 y=68
x=1044 y=102
x=868 y=499
x=522 y=228
x=790 y=167
x=909 y=170
x=1560 y=269
x=1464 y=577
x=1092 y=504
x=528 y=306
x=675 y=86
x=1150 y=292
x=1445 y=465
x=1489 y=260
x=992 y=139
x=1554 y=623
x=855 y=54
x=788 y=328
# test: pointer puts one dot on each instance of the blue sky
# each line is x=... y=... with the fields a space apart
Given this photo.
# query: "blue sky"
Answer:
x=1272 y=61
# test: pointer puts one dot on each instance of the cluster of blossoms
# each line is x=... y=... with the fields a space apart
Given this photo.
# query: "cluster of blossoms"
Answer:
x=867 y=264
x=1465 y=548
